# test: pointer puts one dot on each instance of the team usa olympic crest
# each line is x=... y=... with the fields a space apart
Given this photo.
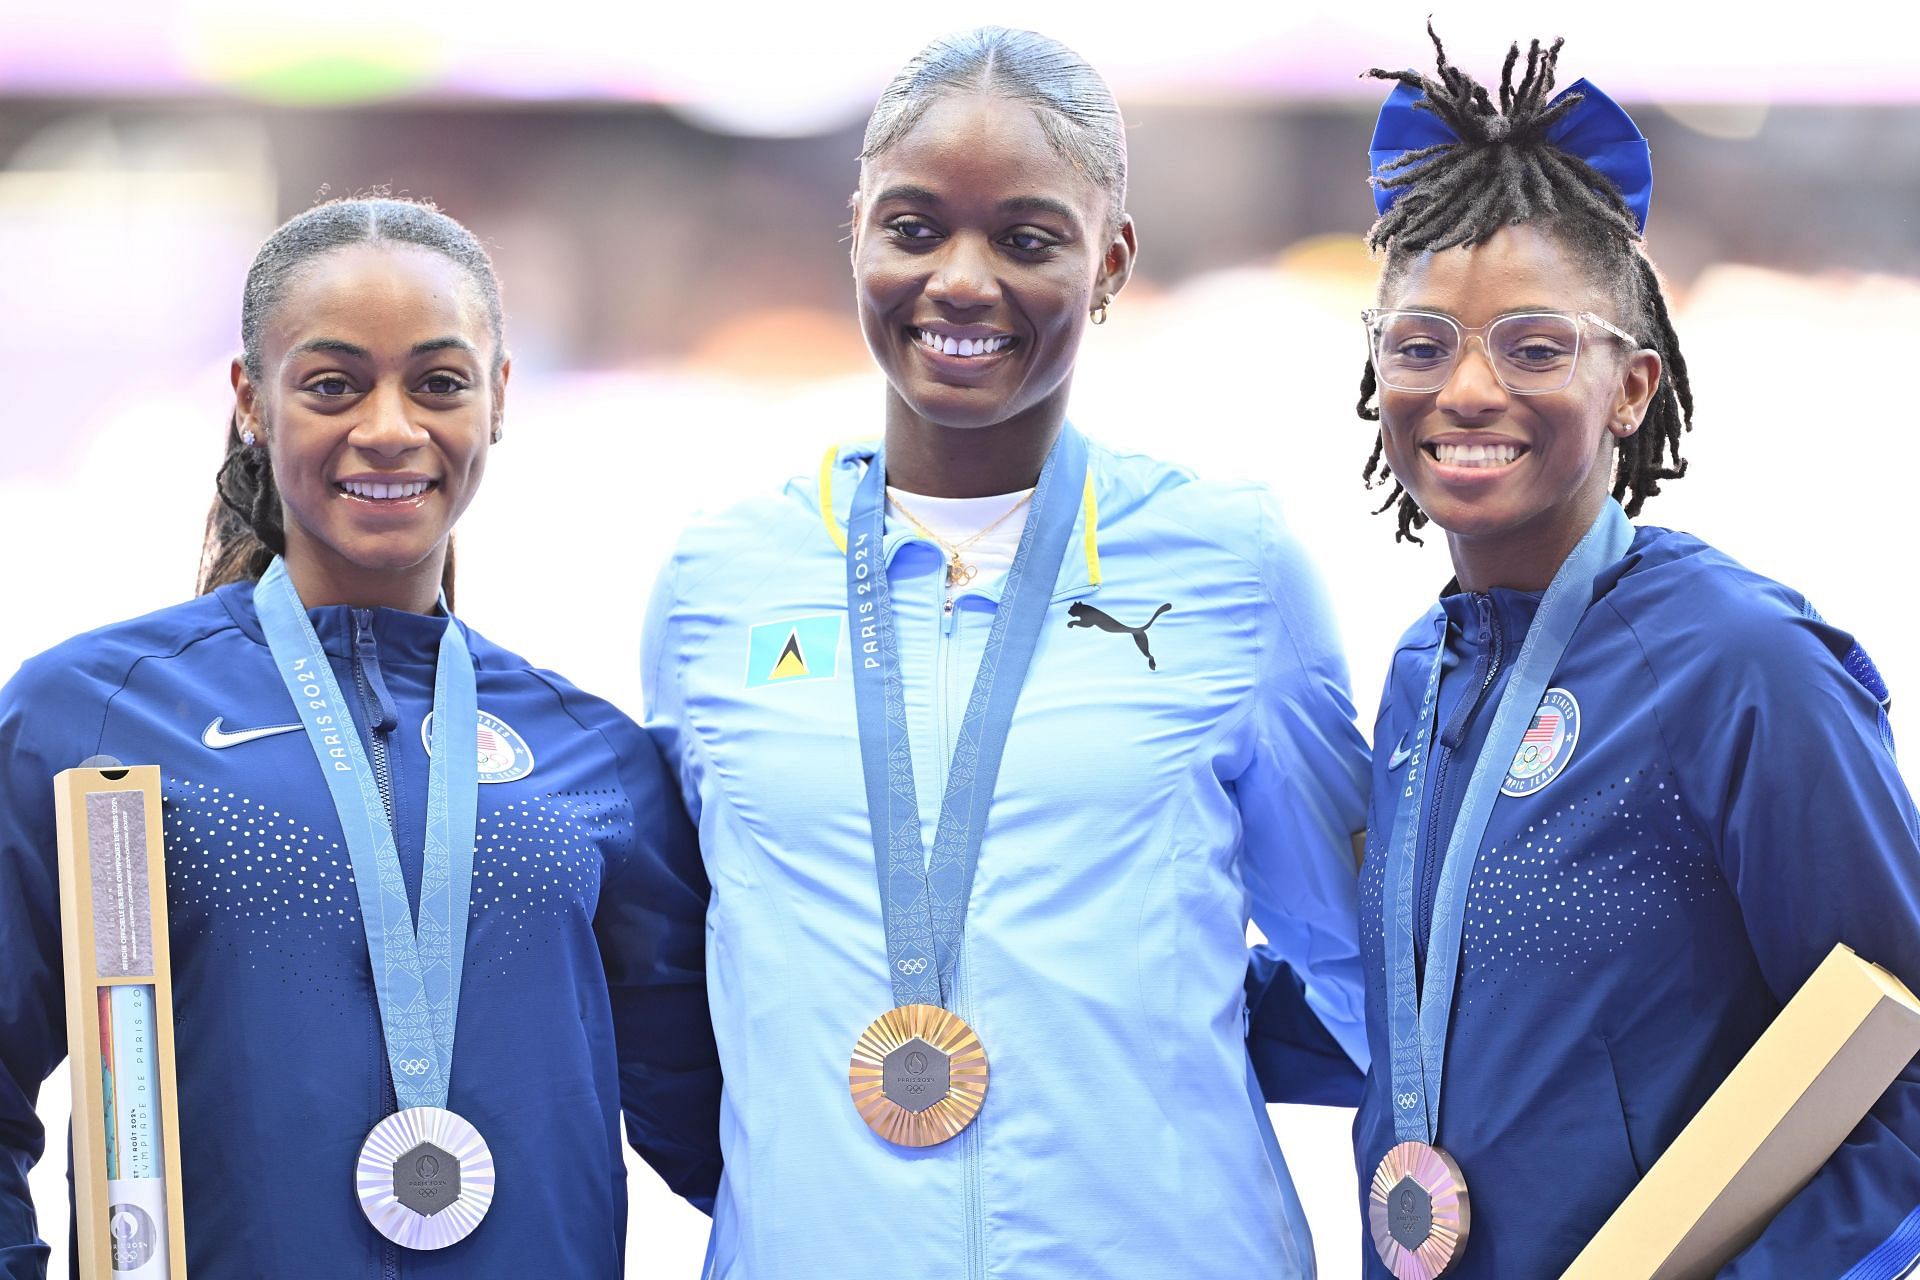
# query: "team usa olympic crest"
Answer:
x=504 y=754
x=1547 y=746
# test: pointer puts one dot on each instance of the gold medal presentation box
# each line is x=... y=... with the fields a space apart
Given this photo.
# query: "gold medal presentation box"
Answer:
x=1766 y=1130
x=113 y=917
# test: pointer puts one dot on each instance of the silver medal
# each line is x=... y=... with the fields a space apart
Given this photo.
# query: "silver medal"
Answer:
x=425 y=1178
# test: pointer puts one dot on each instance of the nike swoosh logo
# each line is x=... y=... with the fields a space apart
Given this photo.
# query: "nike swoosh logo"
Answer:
x=219 y=739
x=1399 y=756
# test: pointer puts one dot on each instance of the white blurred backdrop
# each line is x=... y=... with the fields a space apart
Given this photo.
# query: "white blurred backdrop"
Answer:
x=666 y=204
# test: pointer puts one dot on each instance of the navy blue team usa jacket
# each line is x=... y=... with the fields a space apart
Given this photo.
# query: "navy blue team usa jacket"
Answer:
x=584 y=987
x=1711 y=804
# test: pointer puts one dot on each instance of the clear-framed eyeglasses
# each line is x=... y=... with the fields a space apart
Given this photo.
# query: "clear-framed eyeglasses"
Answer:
x=1531 y=352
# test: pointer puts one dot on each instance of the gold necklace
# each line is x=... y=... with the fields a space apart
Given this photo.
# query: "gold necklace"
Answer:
x=959 y=572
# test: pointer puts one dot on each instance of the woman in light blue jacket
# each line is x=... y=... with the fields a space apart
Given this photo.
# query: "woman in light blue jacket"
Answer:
x=1106 y=696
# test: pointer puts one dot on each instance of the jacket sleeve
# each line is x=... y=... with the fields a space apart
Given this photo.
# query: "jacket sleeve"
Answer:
x=33 y=1023
x=1302 y=800
x=1818 y=839
x=651 y=924
x=664 y=710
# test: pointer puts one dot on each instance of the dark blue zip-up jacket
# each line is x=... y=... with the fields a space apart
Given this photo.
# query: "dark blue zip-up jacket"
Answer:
x=1648 y=894
x=584 y=988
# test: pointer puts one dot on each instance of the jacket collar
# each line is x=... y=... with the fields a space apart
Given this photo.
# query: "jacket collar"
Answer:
x=843 y=466
x=402 y=637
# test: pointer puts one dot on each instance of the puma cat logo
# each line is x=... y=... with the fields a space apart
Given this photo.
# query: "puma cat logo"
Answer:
x=1085 y=615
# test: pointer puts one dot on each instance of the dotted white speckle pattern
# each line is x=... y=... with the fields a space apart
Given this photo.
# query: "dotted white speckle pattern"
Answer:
x=538 y=863
x=1586 y=876
x=1373 y=876
x=1589 y=875
x=248 y=876
x=248 y=861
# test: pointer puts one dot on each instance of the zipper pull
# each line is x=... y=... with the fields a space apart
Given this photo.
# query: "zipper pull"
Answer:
x=946 y=617
x=382 y=714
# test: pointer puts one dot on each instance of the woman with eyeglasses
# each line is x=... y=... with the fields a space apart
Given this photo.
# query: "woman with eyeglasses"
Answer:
x=995 y=737
x=1627 y=793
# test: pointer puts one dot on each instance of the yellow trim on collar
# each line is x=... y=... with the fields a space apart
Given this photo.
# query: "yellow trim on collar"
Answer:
x=826 y=498
x=1093 y=532
x=1088 y=506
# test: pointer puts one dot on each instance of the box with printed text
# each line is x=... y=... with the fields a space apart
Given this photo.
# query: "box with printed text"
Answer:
x=113 y=917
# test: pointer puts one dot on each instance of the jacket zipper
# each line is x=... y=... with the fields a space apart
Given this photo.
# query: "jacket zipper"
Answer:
x=972 y=1195
x=365 y=652
x=1450 y=741
x=365 y=661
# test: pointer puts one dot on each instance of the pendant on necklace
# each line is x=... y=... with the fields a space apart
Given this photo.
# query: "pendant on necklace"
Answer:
x=959 y=572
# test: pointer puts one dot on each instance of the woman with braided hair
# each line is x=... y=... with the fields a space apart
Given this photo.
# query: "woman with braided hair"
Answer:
x=1627 y=793
x=528 y=827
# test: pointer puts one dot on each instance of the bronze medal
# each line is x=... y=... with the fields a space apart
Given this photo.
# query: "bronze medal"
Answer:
x=1417 y=1211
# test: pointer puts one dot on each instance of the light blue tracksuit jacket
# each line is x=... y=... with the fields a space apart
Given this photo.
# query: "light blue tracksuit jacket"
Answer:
x=1162 y=783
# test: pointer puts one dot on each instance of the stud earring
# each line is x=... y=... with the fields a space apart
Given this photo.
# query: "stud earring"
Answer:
x=494 y=437
x=1099 y=314
x=247 y=437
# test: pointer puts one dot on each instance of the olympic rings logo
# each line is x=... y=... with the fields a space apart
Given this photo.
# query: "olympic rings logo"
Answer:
x=414 y=1066
x=916 y=965
x=1406 y=1100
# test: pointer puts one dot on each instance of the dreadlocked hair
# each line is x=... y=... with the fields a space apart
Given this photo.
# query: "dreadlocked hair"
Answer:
x=1503 y=171
x=244 y=531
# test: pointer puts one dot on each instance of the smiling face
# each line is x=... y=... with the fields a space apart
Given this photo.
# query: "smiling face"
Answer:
x=978 y=253
x=376 y=400
x=1515 y=480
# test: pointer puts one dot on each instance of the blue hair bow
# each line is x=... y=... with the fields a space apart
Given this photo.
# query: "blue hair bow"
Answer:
x=1597 y=130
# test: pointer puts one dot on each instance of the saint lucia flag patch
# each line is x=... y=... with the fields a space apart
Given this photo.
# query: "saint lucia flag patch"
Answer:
x=795 y=649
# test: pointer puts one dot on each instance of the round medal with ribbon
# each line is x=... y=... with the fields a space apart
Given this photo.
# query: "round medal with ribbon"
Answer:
x=918 y=1074
x=1417 y=1208
x=1417 y=1211
x=425 y=1177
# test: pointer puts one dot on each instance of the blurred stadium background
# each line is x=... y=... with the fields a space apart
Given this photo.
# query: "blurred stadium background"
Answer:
x=664 y=190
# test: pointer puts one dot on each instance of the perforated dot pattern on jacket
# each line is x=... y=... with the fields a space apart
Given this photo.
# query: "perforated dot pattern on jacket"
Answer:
x=264 y=881
x=247 y=861
x=1585 y=876
x=1373 y=876
x=539 y=863
x=1589 y=875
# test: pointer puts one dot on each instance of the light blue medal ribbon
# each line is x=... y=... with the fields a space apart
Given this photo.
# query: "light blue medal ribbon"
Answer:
x=924 y=899
x=1418 y=1013
x=416 y=971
